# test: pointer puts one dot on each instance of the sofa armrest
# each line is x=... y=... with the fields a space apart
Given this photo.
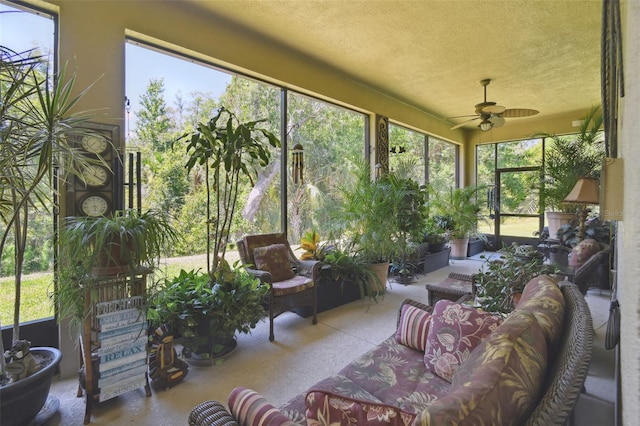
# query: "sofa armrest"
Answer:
x=250 y=408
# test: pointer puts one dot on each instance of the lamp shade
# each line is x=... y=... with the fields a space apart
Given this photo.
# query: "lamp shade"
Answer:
x=585 y=191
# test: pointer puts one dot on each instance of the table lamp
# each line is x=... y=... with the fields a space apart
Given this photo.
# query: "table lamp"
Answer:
x=585 y=191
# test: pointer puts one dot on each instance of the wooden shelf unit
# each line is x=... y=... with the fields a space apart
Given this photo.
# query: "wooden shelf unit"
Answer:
x=113 y=344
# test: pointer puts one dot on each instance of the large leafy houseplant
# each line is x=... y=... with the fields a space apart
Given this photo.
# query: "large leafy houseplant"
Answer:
x=207 y=317
x=227 y=151
x=500 y=282
x=570 y=157
x=383 y=219
x=594 y=229
x=456 y=210
x=36 y=126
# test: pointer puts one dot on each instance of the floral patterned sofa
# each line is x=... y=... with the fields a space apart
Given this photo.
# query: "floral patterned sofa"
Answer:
x=447 y=364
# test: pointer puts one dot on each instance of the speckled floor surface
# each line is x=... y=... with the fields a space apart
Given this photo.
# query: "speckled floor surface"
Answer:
x=301 y=355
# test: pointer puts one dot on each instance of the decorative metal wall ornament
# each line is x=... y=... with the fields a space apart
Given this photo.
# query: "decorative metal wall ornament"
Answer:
x=382 y=143
x=297 y=163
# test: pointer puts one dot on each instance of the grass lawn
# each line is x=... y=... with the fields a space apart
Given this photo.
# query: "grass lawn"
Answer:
x=36 y=288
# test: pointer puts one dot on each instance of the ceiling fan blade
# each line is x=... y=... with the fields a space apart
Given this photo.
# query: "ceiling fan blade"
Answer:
x=497 y=121
x=519 y=112
x=462 y=116
x=463 y=123
x=494 y=109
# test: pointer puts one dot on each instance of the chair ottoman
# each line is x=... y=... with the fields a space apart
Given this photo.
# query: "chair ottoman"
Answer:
x=455 y=286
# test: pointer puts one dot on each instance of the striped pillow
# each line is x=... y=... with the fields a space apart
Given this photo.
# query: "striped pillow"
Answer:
x=413 y=327
x=250 y=408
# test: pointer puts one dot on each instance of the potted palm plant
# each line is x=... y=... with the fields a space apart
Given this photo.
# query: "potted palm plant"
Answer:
x=35 y=140
x=460 y=206
x=381 y=218
x=569 y=158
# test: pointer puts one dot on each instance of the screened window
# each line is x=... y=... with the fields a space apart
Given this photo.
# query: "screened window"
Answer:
x=407 y=153
x=442 y=164
x=171 y=97
x=25 y=30
x=332 y=139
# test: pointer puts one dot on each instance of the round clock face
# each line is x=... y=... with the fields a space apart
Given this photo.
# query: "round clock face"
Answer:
x=95 y=175
x=94 y=205
x=94 y=144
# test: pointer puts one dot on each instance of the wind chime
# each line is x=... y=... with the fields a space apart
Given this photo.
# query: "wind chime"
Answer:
x=297 y=163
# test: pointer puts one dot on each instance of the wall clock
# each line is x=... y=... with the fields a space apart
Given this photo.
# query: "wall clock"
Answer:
x=96 y=176
x=94 y=205
x=98 y=190
x=94 y=144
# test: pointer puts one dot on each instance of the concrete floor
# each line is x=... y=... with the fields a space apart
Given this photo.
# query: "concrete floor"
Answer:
x=303 y=353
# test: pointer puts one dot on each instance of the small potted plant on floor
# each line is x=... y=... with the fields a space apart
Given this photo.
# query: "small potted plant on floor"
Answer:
x=206 y=318
x=461 y=206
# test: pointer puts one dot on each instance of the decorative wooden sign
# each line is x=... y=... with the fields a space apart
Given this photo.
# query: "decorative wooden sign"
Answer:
x=123 y=346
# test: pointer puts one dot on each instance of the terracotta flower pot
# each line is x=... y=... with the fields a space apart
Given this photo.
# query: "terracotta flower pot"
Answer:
x=459 y=248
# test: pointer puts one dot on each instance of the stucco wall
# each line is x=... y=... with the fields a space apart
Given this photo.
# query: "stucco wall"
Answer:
x=629 y=228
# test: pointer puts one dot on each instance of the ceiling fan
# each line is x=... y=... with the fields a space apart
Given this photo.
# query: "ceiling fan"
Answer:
x=491 y=114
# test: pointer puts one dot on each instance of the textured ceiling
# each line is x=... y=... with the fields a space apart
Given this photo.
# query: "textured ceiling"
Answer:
x=540 y=54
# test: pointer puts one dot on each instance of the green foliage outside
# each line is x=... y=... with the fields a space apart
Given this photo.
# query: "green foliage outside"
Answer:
x=333 y=142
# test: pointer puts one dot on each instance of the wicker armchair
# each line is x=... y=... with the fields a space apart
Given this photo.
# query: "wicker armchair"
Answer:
x=587 y=274
x=293 y=281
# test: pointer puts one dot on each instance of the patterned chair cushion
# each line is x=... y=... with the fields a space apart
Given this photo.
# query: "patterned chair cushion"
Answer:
x=413 y=327
x=275 y=260
x=292 y=285
x=454 y=332
x=328 y=408
x=250 y=408
x=583 y=251
x=500 y=382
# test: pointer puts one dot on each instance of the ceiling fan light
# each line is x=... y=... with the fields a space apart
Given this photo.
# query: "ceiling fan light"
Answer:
x=485 y=125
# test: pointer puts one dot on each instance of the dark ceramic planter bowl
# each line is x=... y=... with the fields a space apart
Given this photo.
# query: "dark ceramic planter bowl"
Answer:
x=20 y=402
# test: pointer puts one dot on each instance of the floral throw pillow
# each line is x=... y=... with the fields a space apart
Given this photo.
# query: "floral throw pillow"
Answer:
x=413 y=327
x=275 y=260
x=454 y=332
